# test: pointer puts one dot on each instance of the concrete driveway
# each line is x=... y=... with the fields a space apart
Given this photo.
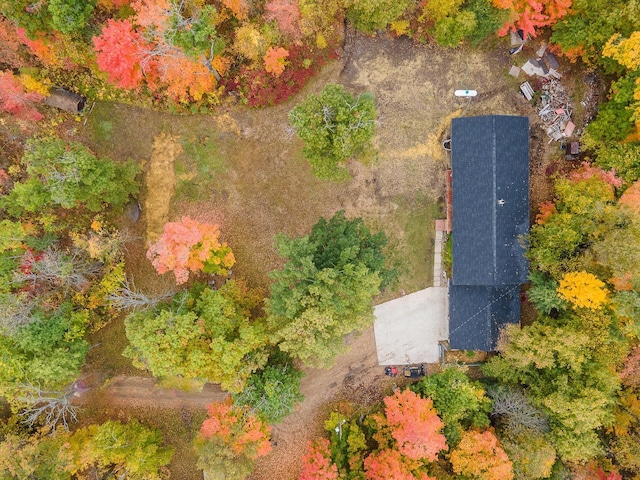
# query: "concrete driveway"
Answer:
x=408 y=329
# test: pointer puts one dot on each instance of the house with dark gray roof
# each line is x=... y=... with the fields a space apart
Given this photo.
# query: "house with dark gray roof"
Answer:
x=490 y=210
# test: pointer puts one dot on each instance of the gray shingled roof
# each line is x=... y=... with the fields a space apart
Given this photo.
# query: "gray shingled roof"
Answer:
x=490 y=180
x=490 y=170
x=477 y=314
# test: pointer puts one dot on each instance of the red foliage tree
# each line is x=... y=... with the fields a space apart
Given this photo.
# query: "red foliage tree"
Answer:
x=479 y=455
x=316 y=463
x=10 y=45
x=587 y=171
x=415 y=425
x=527 y=15
x=286 y=13
x=118 y=53
x=15 y=100
x=630 y=373
x=189 y=245
x=241 y=431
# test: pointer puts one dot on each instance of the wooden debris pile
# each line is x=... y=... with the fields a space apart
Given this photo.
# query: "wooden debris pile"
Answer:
x=555 y=110
x=555 y=107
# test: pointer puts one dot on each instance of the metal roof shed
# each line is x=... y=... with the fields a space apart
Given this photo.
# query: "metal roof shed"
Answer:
x=490 y=180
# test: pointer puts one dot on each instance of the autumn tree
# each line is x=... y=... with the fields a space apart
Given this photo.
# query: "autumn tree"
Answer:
x=286 y=13
x=479 y=455
x=190 y=246
x=275 y=61
x=531 y=454
x=415 y=425
x=230 y=440
x=567 y=373
x=208 y=335
x=316 y=462
x=387 y=464
x=118 y=53
x=130 y=450
x=325 y=288
x=527 y=15
x=15 y=100
x=583 y=289
x=371 y=15
x=460 y=403
x=67 y=176
x=334 y=126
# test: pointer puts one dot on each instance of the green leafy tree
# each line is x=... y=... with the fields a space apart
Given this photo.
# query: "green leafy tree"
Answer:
x=488 y=19
x=532 y=456
x=544 y=293
x=624 y=158
x=48 y=352
x=69 y=16
x=274 y=391
x=566 y=376
x=371 y=15
x=451 y=31
x=334 y=126
x=207 y=335
x=130 y=449
x=460 y=403
x=67 y=176
x=325 y=288
x=112 y=449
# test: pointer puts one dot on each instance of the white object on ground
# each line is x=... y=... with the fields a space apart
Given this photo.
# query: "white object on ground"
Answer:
x=465 y=93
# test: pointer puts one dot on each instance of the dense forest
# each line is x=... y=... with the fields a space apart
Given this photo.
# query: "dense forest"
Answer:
x=560 y=399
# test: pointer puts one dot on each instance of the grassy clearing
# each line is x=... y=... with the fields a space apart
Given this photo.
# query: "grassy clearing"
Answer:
x=197 y=166
x=411 y=233
x=106 y=353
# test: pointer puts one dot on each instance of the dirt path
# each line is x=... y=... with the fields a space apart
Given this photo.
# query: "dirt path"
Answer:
x=140 y=392
x=356 y=369
x=160 y=183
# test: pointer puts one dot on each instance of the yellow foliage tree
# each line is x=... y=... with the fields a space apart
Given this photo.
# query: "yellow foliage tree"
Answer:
x=626 y=51
x=583 y=289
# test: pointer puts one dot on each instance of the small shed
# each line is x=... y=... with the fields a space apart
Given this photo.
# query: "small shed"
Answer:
x=65 y=100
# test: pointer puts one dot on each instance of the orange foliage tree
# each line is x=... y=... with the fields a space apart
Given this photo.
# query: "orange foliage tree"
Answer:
x=527 y=15
x=230 y=439
x=583 y=289
x=165 y=44
x=480 y=456
x=189 y=245
x=316 y=462
x=15 y=100
x=388 y=464
x=415 y=425
x=274 y=60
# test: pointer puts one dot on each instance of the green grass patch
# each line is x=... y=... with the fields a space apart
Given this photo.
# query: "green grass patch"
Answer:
x=412 y=243
x=101 y=123
x=107 y=345
x=197 y=167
